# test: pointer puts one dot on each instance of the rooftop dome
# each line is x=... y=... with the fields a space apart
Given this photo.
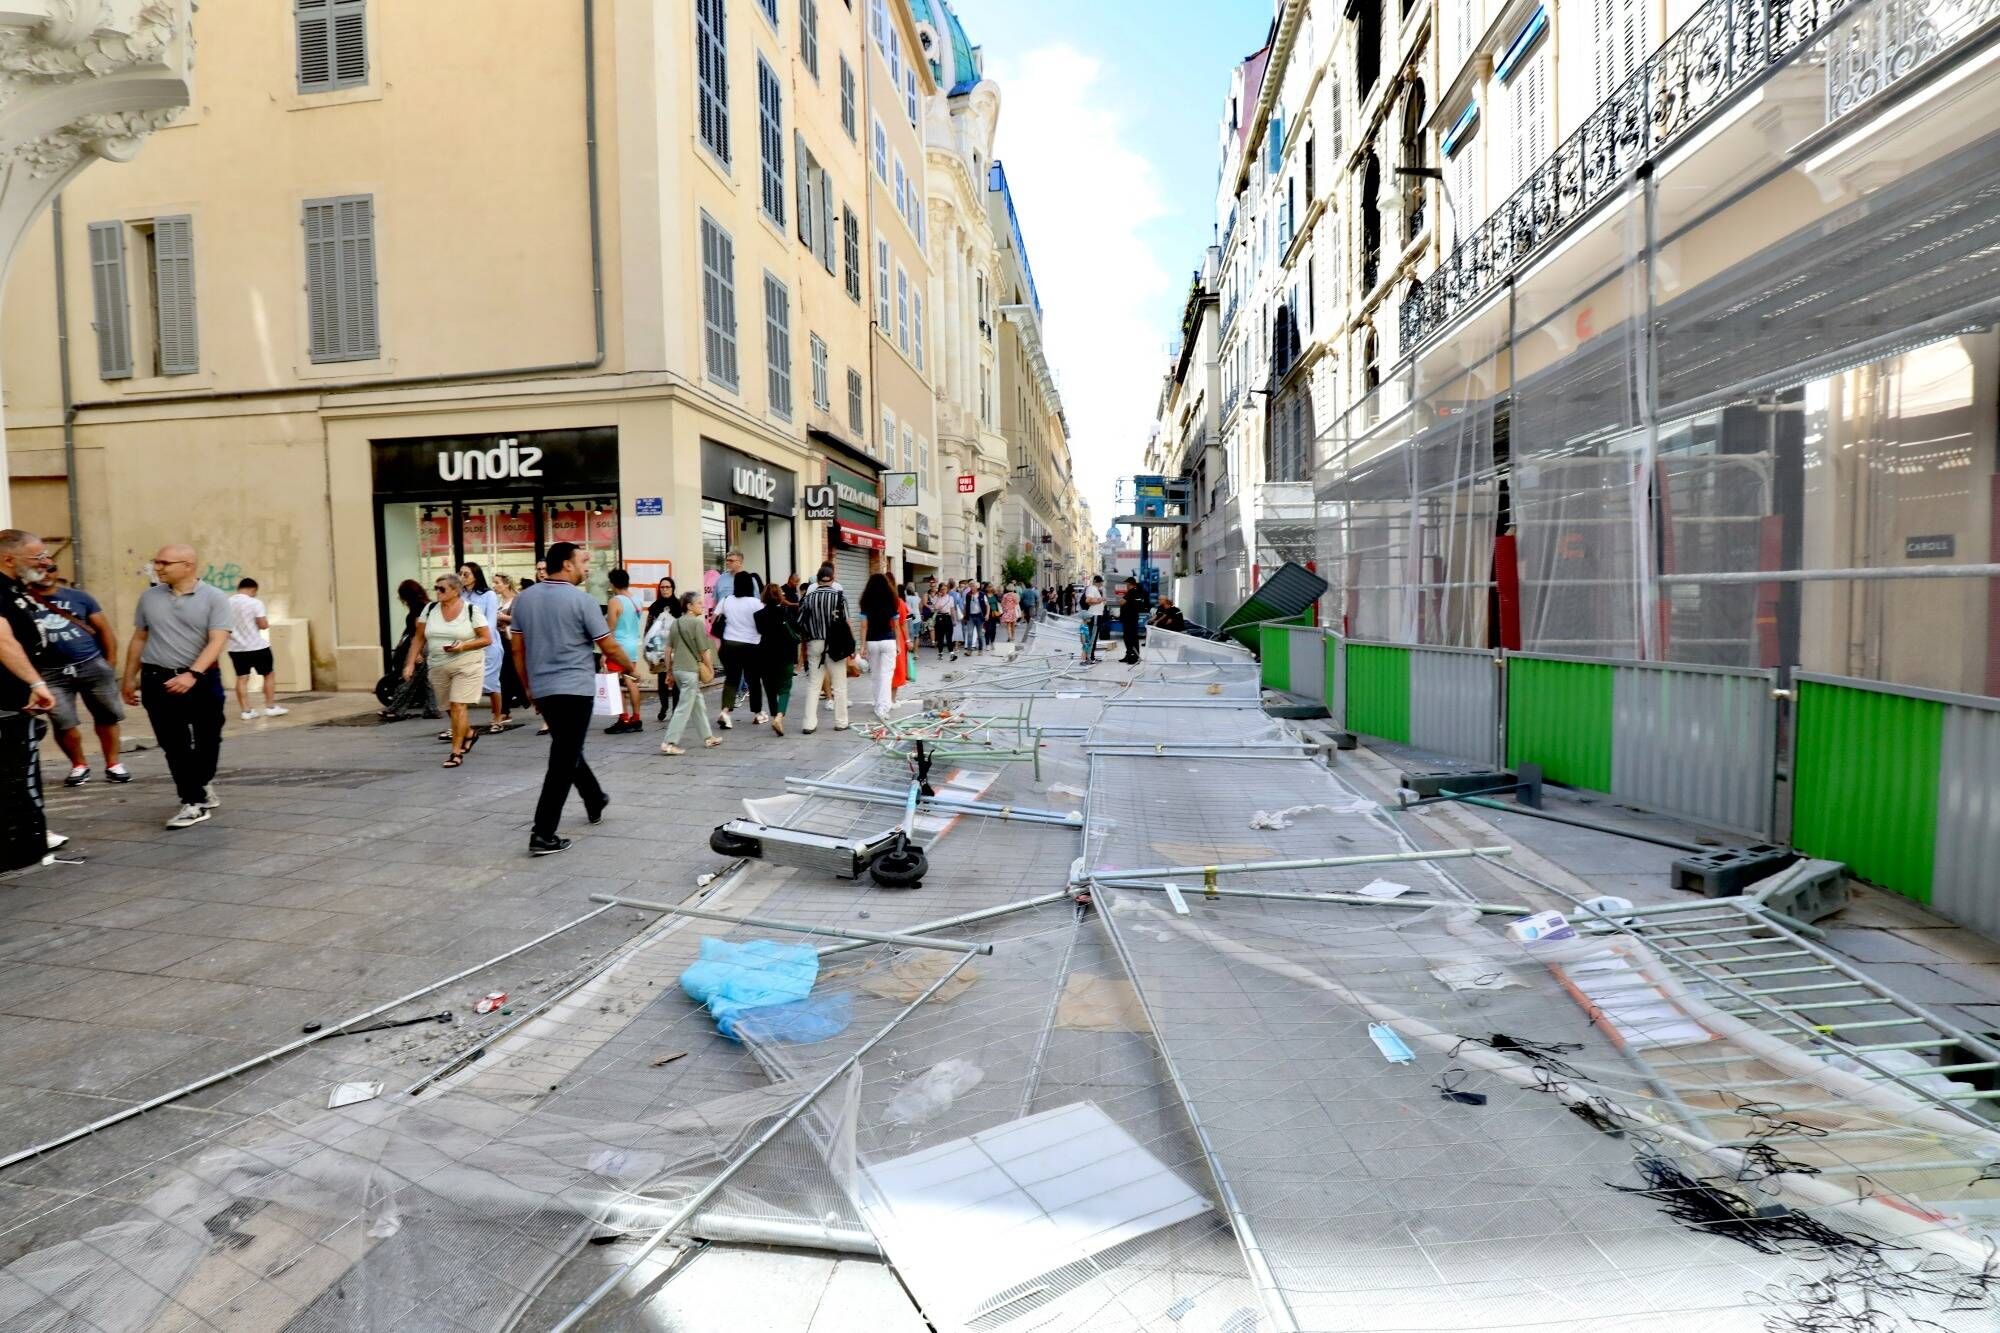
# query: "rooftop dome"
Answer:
x=954 y=64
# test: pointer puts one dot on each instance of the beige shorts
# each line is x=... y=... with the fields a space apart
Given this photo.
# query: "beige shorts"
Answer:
x=460 y=678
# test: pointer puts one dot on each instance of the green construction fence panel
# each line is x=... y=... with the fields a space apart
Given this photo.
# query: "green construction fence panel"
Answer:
x=1378 y=691
x=1559 y=715
x=1865 y=781
x=1276 y=656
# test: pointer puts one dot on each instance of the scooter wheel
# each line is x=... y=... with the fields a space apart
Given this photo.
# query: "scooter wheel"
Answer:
x=724 y=843
x=899 y=868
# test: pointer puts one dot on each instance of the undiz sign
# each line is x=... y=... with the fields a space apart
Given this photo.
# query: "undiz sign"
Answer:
x=516 y=462
x=509 y=459
x=753 y=483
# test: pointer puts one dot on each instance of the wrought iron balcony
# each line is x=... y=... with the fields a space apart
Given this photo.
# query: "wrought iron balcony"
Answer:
x=1228 y=318
x=1724 y=49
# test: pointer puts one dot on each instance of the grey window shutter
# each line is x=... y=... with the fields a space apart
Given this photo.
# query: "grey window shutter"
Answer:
x=803 y=161
x=357 y=277
x=173 y=284
x=828 y=246
x=111 y=311
x=333 y=44
x=712 y=75
x=340 y=279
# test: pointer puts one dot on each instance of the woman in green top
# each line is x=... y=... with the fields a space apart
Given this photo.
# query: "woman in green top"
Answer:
x=688 y=646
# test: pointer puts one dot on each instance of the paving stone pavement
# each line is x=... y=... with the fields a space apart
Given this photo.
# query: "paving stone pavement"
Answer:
x=344 y=869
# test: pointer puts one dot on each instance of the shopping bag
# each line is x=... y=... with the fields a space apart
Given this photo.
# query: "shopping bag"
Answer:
x=610 y=700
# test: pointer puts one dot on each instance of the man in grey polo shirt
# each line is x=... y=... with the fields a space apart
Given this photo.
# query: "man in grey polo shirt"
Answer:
x=557 y=630
x=180 y=630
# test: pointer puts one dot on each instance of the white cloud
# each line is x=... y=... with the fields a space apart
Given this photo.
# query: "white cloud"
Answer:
x=1084 y=195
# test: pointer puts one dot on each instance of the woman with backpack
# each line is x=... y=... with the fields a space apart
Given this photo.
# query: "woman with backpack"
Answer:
x=452 y=637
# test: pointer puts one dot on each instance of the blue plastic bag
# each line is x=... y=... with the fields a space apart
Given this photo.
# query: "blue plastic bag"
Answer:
x=733 y=978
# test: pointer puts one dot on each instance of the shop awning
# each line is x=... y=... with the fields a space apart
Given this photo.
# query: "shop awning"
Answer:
x=854 y=534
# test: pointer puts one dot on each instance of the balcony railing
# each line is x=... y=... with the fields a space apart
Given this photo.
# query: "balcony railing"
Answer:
x=1228 y=318
x=1726 y=47
x=986 y=330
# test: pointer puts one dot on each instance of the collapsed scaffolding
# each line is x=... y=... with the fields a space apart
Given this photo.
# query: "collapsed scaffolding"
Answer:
x=1182 y=1030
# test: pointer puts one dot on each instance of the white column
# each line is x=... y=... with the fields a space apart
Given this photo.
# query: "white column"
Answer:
x=79 y=82
x=969 y=331
x=954 y=316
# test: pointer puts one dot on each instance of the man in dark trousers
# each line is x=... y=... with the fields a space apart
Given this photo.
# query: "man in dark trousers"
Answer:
x=25 y=699
x=556 y=631
x=1130 y=612
x=179 y=631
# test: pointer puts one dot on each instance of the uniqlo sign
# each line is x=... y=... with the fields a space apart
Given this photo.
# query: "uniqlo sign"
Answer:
x=966 y=483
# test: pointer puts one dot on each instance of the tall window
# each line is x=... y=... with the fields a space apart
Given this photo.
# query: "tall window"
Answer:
x=854 y=408
x=850 y=245
x=1415 y=193
x=886 y=450
x=847 y=116
x=1371 y=222
x=910 y=99
x=902 y=308
x=771 y=139
x=166 y=257
x=340 y=278
x=1367 y=46
x=909 y=449
x=881 y=153
x=902 y=190
x=778 y=345
x=917 y=326
x=770 y=10
x=1528 y=108
x=923 y=465
x=822 y=390
x=711 y=54
x=333 y=44
x=1619 y=44
x=809 y=35
x=1311 y=187
x=718 y=303
x=882 y=289
x=1464 y=177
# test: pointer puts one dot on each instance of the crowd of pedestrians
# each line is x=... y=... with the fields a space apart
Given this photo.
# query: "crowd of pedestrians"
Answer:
x=466 y=640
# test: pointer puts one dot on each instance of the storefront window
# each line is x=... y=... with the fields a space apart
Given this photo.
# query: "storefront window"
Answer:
x=592 y=523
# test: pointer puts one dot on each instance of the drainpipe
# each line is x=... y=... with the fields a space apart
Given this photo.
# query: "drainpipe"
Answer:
x=468 y=376
x=68 y=406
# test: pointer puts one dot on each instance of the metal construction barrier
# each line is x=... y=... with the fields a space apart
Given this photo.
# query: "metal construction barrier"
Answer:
x=1294 y=658
x=1695 y=741
x=1902 y=784
x=1441 y=699
x=1334 y=682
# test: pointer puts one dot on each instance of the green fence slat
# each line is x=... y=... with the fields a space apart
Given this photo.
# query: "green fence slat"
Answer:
x=1277 y=657
x=1378 y=691
x=1865 y=783
x=1559 y=716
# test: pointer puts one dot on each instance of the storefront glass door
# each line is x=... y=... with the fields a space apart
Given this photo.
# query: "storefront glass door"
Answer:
x=592 y=523
x=416 y=544
x=500 y=537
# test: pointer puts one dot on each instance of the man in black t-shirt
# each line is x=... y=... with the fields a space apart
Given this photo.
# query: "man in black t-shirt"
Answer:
x=1130 y=612
x=24 y=699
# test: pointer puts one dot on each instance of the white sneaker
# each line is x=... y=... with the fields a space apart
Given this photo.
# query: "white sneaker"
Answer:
x=189 y=816
x=761 y=719
x=209 y=800
x=250 y=715
x=276 y=710
x=724 y=722
x=55 y=840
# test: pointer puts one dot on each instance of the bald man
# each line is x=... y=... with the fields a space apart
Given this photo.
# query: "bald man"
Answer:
x=181 y=627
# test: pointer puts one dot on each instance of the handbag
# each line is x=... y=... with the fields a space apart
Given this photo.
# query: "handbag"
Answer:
x=703 y=671
x=840 y=638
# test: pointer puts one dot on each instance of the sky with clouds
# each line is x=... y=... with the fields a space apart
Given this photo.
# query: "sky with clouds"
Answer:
x=1108 y=116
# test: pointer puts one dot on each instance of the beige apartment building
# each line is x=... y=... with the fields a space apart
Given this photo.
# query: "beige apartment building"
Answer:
x=366 y=311
x=899 y=83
